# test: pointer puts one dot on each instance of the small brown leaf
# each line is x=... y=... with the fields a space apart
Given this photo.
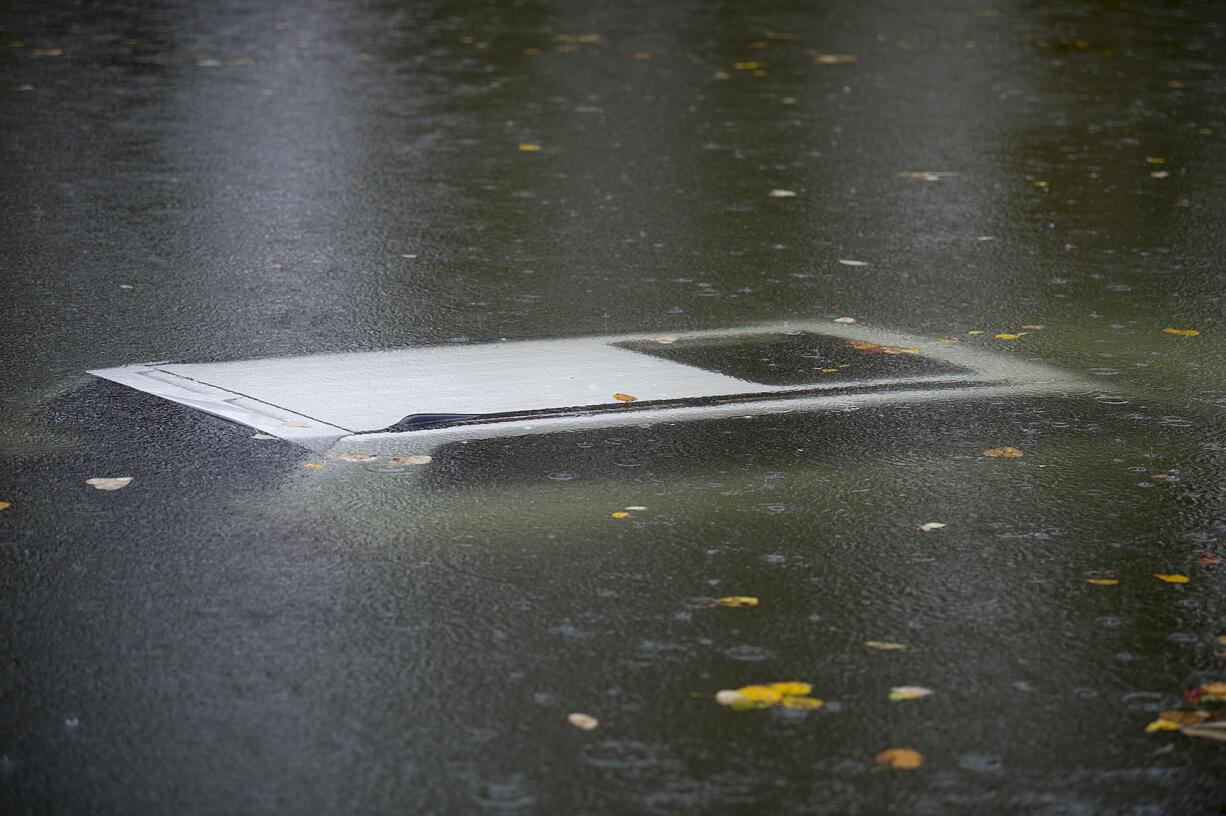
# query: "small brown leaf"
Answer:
x=1003 y=453
x=903 y=759
x=625 y=398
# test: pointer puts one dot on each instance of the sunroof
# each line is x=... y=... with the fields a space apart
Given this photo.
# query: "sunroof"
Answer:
x=800 y=358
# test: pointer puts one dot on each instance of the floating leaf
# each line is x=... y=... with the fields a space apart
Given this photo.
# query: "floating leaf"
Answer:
x=109 y=482
x=844 y=320
x=1006 y=336
x=926 y=175
x=1003 y=453
x=903 y=759
x=583 y=721
x=1102 y=581
x=931 y=525
x=850 y=262
x=1182 y=332
x=625 y=398
x=529 y=147
x=790 y=694
x=1171 y=578
x=620 y=514
x=1211 y=730
x=782 y=193
x=664 y=339
x=834 y=59
x=737 y=600
x=885 y=645
x=356 y=456
x=414 y=459
x=1161 y=725
x=874 y=348
x=900 y=694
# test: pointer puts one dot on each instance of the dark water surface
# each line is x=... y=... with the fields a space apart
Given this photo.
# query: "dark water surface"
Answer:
x=235 y=633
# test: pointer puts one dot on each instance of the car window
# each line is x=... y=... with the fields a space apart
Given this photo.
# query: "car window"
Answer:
x=798 y=358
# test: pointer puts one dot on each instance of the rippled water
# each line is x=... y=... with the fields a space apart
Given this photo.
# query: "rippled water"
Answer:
x=234 y=632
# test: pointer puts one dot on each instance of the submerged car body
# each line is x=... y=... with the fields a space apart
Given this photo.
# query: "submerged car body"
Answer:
x=413 y=400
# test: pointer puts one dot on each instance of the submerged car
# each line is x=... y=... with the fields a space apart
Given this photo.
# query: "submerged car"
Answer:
x=414 y=400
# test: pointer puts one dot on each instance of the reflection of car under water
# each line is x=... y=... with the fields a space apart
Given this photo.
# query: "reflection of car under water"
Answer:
x=414 y=400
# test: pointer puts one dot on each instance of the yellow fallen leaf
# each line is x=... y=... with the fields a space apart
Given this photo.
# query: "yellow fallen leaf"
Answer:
x=802 y=703
x=583 y=721
x=6 y=505
x=760 y=694
x=1102 y=581
x=620 y=514
x=904 y=759
x=975 y=332
x=625 y=398
x=791 y=688
x=313 y=465
x=1003 y=453
x=1006 y=336
x=737 y=600
x=529 y=147
x=1161 y=725
x=1221 y=638
x=1155 y=160
x=931 y=525
x=1171 y=578
x=884 y=645
x=748 y=66
x=109 y=482
x=782 y=194
x=1042 y=185
x=899 y=694
x=1182 y=332
x=1215 y=689
x=834 y=59
x=415 y=459
x=48 y=52
x=642 y=55
x=830 y=371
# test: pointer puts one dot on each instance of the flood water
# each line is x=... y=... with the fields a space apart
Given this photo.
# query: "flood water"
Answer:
x=234 y=632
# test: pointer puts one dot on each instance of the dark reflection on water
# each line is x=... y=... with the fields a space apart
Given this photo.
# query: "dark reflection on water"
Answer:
x=236 y=633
